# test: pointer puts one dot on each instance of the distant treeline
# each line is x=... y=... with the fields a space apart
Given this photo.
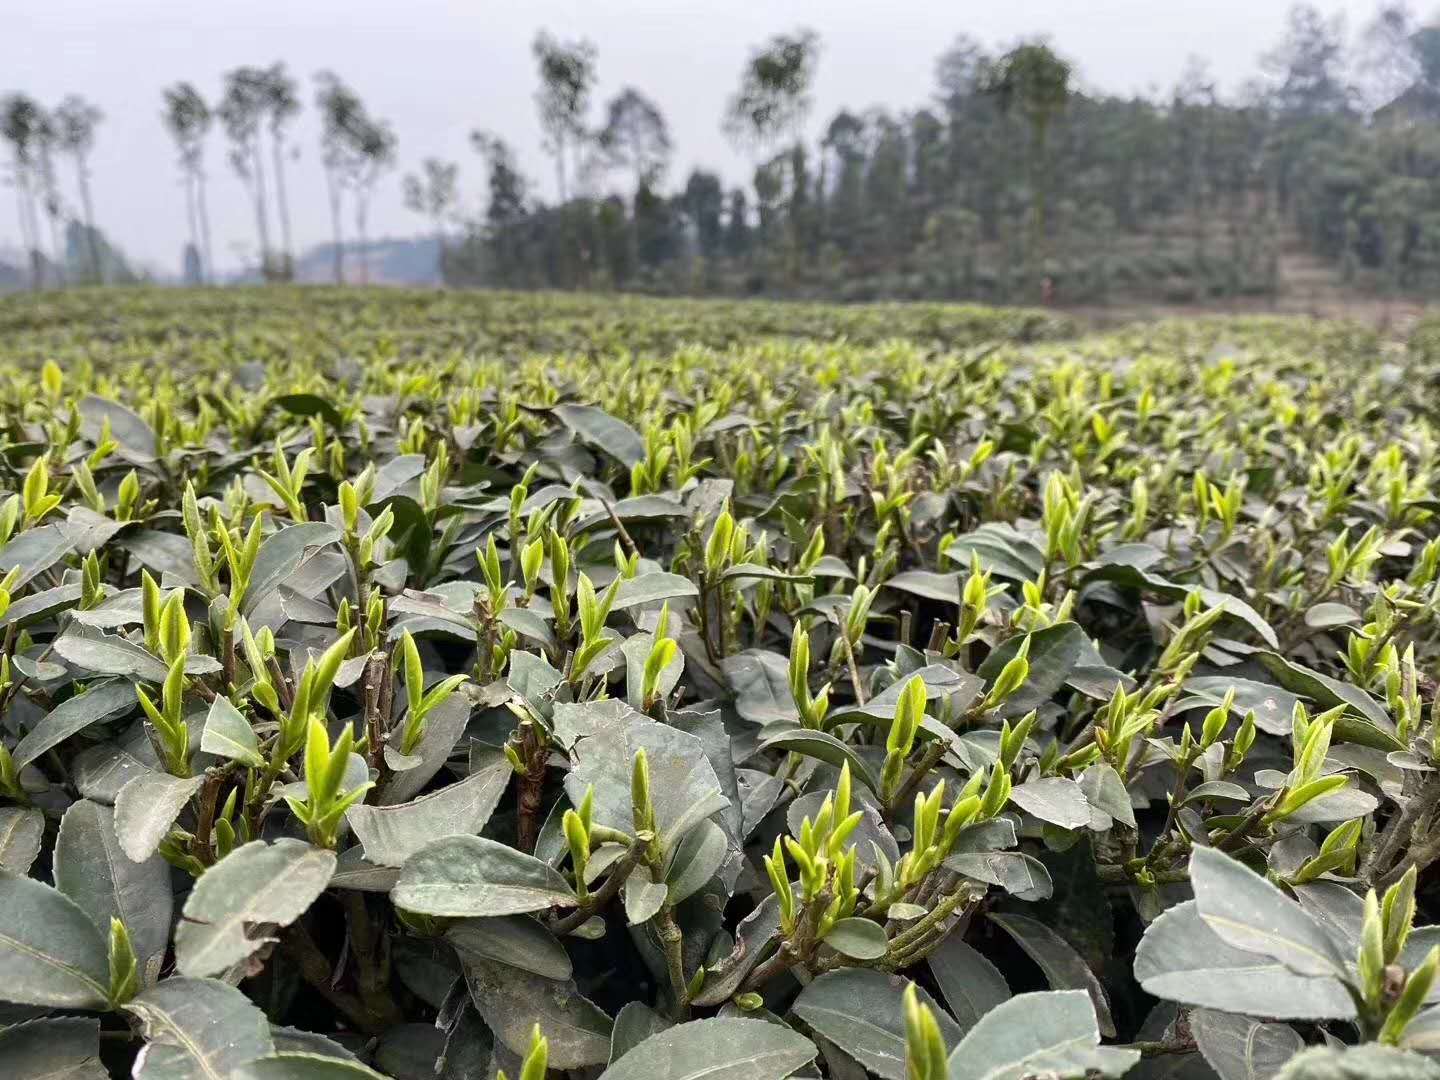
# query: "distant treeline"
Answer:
x=1013 y=183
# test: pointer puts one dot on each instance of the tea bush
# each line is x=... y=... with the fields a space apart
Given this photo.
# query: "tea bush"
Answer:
x=425 y=685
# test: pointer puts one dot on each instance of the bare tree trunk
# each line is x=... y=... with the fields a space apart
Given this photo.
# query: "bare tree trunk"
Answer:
x=82 y=174
x=192 y=218
x=50 y=196
x=262 y=219
x=58 y=251
x=203 y=212
x=334 y=191
x=560 y=168
x=362 y=209
x=281 y=201
x=27 y=225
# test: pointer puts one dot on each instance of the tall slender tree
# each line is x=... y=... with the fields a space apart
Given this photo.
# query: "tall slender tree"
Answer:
x=567 y=79
x=505 y=208
x=375 y=144
x=281 y=106
x=1033 y=79
x=704 y=202
x=1387 y=60
x=75 y=123
x=770 y=106
x=21 y=120
x=774 y=94
x=342 y=119
x=188 y=119
x=241 y=110
x=433 y=193
x=52 y=200
x=636 y=136
x=1310 y=68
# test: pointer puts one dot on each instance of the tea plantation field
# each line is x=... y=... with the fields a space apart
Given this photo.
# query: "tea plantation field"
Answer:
x=422 y=684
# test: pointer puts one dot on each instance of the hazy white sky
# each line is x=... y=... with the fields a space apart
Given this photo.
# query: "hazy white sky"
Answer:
x=438 y=68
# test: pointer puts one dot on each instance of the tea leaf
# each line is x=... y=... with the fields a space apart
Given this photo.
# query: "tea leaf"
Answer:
x=1249 y=913
x=50 y=951
x=603 y=431
x=970 y=984
x=1182 y=958
x=21 y=831
x=255 y=884
x=230 y=735
x=859 y=939
x=294 y=1065
x=696 y=860
x=1239 y=1048
x=197 y=1029
x=861 y=1012
x=391 y=834
x=1053 y=799
x=146 y=807
x=1032 y=1034
x=91 y=869
x=1064 y=968
x=824 y=747
x=715 y=1049
x=104 y=701
x=517 y=940
x=58 y=1048
x=107 y=654
x=684 y=785
x=512 y=1002
x=464 y=876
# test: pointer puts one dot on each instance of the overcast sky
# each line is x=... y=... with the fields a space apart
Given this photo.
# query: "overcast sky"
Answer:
x=436 y=69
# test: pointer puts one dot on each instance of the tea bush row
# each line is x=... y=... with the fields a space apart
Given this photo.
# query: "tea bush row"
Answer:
x=428 y=685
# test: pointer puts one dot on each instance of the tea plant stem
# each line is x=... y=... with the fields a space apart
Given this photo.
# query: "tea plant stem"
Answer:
x=938 y=635
x=1420 y=857
x=371 y=953
x=1177 y=798
x=227 y=658
x=282 y=684
x=597 y=900
x=531 y=800
x=1114 y=874
x=928 y=760
x=797 y=948
x=1398 y=831
x=314 y=967
x=855 y=681
x=673 y=940
x=703 y=610
x=374 y=668
x=387 y=687
x=488 y=640
x=906 y=940
x=722 y=617
x=781 y=960
x=1233 y=838
x=625 y=540
x=205 y=816
x=1160 y=1047
x=18 y=683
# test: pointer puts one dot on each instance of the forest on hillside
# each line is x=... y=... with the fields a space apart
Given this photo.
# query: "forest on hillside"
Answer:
x=1016 y=181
